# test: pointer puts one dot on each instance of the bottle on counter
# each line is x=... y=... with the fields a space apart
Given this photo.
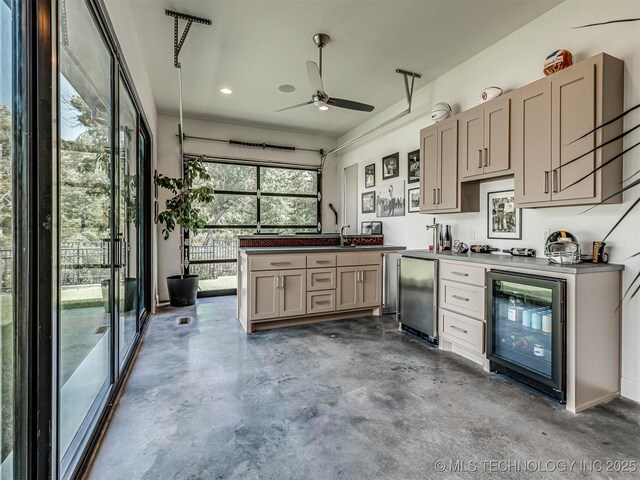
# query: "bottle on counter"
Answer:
x=482 y=249
x=446 y=238
x=520 y=252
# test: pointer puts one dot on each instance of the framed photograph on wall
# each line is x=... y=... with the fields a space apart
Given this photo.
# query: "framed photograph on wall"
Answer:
x=413 y=205
x=391 y=166
x=376 y=228
x=369 y=202
x=390 y=200
x=413 y=166
x=365 y=228
x=370 y=176
x=503 y=218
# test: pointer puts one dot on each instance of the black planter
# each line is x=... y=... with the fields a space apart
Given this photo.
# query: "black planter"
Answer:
x=183 y=291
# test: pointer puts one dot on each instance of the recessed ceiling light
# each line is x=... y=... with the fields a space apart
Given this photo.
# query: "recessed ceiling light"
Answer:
x=323 y=108
x=286 y=88
x=226 y=91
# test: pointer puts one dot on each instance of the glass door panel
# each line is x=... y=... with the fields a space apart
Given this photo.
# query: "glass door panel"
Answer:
x=85 y=199
x=128 y=215
x=523 y=322
x=7 y=354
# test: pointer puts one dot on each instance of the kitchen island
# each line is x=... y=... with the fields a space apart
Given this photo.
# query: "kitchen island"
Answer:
x=285 y=286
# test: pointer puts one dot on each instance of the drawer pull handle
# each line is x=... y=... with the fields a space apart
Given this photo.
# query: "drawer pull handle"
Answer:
x=322 y=302
x=460 y=274
x=458 y=297
x=280 y=263
x=322 y=279
x=459 y=329
x=323 y=261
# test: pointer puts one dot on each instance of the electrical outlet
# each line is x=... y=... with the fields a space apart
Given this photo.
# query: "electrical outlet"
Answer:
x=472 y=233
x=545 y=234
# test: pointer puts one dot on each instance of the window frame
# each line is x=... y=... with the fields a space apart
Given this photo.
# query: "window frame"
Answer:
x=258 y=226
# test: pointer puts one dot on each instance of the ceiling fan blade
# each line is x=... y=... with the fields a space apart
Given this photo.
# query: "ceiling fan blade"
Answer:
x=351 y=105
x=313 y=72
x=295 y=106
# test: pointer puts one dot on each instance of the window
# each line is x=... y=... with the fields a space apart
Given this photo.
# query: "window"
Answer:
x=249 y=198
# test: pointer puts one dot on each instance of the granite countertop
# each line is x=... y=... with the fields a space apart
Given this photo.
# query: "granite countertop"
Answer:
x=319 y=249
x=529 y=263
x=304 y=235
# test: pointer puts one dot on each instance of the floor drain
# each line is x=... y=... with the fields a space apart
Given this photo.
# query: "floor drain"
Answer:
x=101 y=329
x=184 y=320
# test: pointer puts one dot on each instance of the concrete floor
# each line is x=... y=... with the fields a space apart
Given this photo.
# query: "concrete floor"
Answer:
x=342 y=400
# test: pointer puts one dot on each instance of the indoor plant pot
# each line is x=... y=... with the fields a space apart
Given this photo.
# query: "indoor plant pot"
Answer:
x=183 y=290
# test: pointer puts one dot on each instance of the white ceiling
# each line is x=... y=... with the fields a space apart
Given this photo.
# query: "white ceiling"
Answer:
x=255 y=46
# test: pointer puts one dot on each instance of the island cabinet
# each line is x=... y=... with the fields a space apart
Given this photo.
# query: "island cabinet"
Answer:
x=290 y=289
x=439 y=186
x=484 y=140
x=554 y=147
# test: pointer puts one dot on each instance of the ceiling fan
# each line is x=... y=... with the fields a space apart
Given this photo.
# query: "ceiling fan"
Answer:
x=320 y=98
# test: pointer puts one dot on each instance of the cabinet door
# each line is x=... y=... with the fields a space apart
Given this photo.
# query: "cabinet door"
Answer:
x=428 y=168
x=472 y=143
x=497 y=118
x=293 y=293
x=447 y=190
x=370 y=286
x=573 y=100
x=347 y=288
x=531 y=143
x=264 y=295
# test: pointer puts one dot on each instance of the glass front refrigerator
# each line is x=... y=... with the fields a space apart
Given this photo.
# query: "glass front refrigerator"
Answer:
x=526 y=329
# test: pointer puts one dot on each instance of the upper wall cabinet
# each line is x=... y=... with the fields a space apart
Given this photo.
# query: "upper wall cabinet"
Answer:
x=484 y=140
x=439 y=187
x=552 y=149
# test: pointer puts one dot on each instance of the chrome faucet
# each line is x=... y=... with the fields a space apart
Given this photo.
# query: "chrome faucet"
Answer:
x=343 y=235
x=436 y=234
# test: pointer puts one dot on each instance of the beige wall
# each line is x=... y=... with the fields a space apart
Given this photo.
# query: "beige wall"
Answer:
x=512 y=63
x=169 y=164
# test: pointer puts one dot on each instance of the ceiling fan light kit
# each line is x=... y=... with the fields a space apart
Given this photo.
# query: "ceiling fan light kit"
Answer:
x=320 y=98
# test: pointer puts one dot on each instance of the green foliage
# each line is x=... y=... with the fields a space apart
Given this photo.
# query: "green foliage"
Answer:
x=181 y=209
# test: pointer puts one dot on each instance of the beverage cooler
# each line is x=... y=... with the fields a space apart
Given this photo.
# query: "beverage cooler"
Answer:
x=526 y=329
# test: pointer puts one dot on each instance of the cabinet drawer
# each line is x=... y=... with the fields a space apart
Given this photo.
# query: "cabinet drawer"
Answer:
x=463 y=331
x=321 y=260
x=359 y=258
x=277 y=262
x=465 y=299
x=459 y=272
x=321 y=301
x=321 y=279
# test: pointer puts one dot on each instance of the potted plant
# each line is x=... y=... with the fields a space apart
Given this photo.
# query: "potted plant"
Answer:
x=181 y=211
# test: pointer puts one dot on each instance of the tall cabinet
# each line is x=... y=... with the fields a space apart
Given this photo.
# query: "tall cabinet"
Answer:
x=553 y=139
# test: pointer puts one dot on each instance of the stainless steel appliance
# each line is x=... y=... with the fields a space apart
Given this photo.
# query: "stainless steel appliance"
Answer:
x=389 y=283
x=526 y=329
x=418 y=296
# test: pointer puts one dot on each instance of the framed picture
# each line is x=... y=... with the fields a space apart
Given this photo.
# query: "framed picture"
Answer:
x=376 y=228
x=413 y=205
x=390 y=200
x=365 y=228
x=368 y=202
x=370 y=176
x=503 y=218
x=391 y=166
x=413 y=167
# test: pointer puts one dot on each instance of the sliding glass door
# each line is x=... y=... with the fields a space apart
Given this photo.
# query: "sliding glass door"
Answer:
x=85 y=226
x=101 y=166
x=7 y=352
x=127 y=225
